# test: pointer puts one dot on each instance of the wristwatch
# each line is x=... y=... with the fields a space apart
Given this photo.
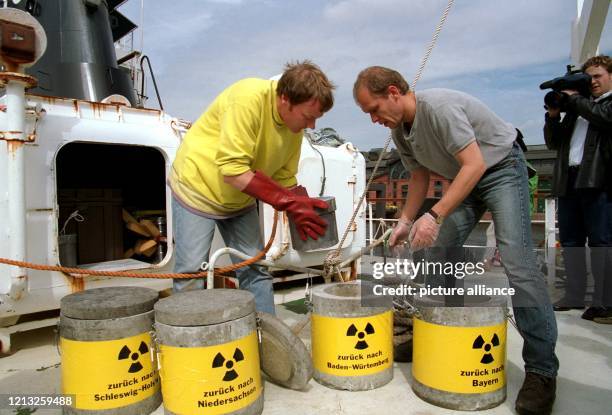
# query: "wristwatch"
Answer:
x=439 y=218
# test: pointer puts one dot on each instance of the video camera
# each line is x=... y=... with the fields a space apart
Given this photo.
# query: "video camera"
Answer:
x=574 y=79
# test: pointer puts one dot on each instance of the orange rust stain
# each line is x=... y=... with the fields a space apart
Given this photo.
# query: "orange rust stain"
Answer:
x=353 y=270
x=14 y=145
x=48 y=99
x=98 y=108
x=10 y=136
x=77 y=284
x=28 y=80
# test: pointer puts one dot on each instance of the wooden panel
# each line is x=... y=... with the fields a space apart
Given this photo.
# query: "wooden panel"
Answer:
x=100 y=235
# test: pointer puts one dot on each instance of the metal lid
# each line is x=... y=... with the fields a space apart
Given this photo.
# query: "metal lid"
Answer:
x=329 y=239
x=331 y=204
x=108 y=302
x=204 y=307
x=284 y=357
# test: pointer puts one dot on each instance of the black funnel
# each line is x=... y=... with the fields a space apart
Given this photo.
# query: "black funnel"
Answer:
x=80 y=60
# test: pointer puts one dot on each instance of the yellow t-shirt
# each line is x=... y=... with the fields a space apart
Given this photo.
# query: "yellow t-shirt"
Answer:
x=240 y=131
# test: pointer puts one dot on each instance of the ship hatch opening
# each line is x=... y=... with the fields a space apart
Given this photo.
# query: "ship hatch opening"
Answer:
x=112 y=206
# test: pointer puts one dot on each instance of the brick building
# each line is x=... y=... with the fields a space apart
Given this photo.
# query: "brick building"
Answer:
x=390 y=188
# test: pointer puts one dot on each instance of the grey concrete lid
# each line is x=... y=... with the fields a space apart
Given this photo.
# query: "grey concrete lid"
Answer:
x=108 y=302
x=204 y=307
x=284 y=357
x=349 y=299
x=463 y=301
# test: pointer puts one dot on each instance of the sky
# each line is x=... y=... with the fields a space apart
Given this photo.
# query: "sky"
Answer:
x=498 y=51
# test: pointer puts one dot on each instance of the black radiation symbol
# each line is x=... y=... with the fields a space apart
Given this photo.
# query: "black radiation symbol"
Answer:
x=361 y=343
x=220 y=361
x=479 y=343
x=127 y=353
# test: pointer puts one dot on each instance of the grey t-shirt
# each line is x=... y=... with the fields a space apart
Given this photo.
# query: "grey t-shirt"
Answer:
x=447 y=121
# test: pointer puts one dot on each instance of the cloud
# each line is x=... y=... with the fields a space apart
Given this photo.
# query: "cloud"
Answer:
x=225 y=1
x=488 y=49
x=366 y=10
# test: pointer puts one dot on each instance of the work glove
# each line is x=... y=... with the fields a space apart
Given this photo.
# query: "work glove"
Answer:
x=299 y=190
x=400 y=232
x=424 y=232
x=299 y=207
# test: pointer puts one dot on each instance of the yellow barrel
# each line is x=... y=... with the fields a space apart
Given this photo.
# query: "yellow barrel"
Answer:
x=108 y=362
x=459 y=353
x=209 y=353
x=352 y=345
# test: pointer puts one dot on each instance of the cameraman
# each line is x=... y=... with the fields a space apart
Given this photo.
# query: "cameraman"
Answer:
x=582 y=172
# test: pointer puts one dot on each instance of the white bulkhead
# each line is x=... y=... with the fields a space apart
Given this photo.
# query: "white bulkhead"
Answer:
x=77 y=143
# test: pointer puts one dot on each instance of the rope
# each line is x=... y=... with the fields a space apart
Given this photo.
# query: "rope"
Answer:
x=74 y=215
x=434 y=39
x=83 y=271
x=332 y=257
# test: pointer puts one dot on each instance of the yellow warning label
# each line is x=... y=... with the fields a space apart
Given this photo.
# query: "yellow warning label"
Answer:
x=352 y=346
x=459 y=359
x=109 y=374
x=213 y=379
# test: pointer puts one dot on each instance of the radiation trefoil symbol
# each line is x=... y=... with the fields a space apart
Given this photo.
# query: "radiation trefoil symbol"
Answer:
x=220 y=361
x=361 y=343
x=479 y=343
x=126 y=353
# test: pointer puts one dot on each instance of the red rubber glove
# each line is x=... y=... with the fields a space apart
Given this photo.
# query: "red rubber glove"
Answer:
x=299 y=207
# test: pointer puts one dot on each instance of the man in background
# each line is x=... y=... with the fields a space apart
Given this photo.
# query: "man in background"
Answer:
x=582 y=183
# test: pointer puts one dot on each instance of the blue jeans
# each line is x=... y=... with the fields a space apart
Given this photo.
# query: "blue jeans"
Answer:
x=193 y=235
x=586 y=214
x=504 y=191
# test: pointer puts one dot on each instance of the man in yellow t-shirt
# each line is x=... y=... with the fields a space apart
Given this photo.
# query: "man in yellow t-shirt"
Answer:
x=246 y=146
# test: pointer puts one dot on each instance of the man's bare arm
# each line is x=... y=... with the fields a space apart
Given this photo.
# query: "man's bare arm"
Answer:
x=472 y=169
x=417 y=190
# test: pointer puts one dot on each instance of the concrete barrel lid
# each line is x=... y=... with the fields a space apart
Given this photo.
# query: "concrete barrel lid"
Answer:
x=204 y=307
x=476 y=311
x=108 y=302
x=349 y=299
x=284 y=357
x=467 y=301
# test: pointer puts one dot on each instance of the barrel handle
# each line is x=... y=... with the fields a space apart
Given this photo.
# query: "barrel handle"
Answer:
x=57 y=338
x=155 y=349
x=258 y=328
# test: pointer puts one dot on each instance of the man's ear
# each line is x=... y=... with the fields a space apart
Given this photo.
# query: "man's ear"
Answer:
x=392 y=90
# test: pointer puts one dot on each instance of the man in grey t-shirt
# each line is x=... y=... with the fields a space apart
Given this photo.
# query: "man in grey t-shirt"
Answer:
x=457 y=136
x=445 y=123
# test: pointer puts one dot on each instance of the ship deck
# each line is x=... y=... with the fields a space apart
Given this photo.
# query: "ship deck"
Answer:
x=584 y=384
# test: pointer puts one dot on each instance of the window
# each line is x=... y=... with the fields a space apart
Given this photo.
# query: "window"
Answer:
x=437 y=189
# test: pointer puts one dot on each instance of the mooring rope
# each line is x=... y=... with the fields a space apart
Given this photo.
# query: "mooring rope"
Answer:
x=131 y=274
x=330 y=262
x=332 y=259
